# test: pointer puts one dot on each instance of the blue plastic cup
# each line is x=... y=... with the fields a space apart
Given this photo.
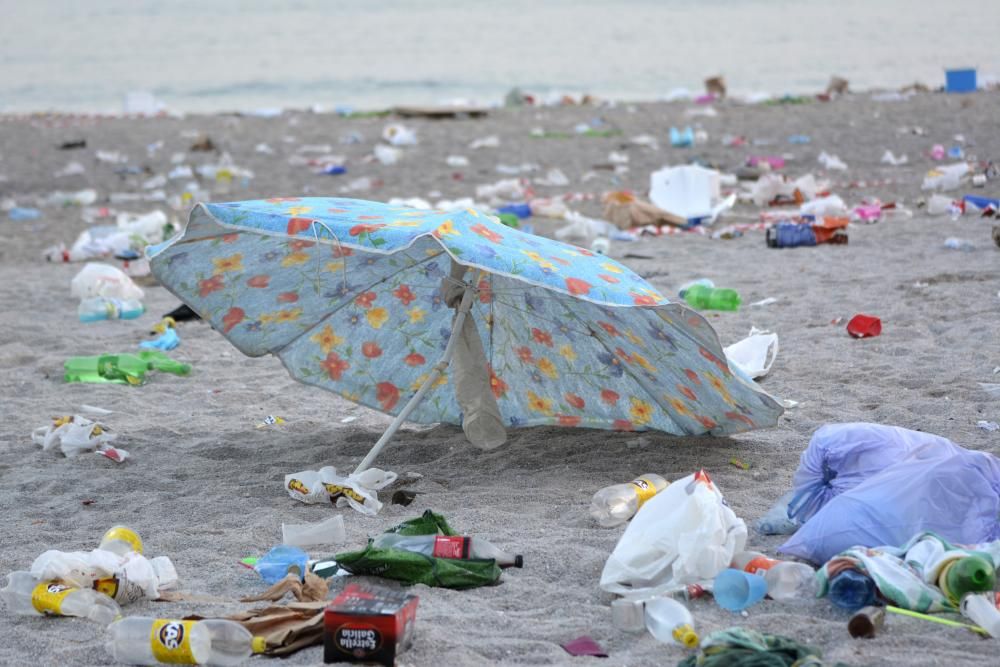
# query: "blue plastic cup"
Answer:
x=736 y=590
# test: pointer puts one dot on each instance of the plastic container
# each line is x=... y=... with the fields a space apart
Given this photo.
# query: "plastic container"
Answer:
x=448 y=546
x=614 y=505
x=960 y=80
x=100 y=308
x=281 y=561
x=121 y=540
x=785 y=580
x=670 y=622
x=972 y=574
x=736 y=590
x=27 y=596
x=97 y=279
x=330 y=531
x=681 y=138
x=852 y=590
x=712 y=298
x=151 y=641
x=980 y=608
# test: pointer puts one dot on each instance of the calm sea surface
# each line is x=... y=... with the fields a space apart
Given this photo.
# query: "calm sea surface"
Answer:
x=85 y=55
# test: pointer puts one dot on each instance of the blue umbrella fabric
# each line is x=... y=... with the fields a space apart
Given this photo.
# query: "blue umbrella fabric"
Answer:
x=348 y=294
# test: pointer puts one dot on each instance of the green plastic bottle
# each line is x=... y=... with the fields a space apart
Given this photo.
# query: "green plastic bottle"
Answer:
x=972 y=574
x=121 y=368
x=712 y=298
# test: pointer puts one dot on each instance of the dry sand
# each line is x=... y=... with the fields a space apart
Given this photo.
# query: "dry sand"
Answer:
x=205 y=487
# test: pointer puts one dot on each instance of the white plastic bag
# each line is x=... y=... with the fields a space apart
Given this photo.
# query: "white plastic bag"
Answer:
x=326 y=485
x=685 y=534
x=137 y=575
x=755 y=354
x=96 y=279
x=74 y=435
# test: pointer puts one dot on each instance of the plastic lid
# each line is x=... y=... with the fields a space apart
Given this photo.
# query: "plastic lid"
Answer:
x=258 y=644
x=519 y=561
x=686 y=635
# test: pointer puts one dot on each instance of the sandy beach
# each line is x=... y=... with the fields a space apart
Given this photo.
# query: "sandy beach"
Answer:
x=204 y=486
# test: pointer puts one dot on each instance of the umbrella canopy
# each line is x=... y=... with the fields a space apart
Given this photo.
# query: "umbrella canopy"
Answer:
x=348 y=294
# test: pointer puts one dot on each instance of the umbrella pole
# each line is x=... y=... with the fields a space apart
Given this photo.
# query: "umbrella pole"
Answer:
x=439 y=368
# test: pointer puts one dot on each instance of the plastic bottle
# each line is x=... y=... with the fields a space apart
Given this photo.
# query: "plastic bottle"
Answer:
x=777 y=521
x=121 y=540
x=954 y=243
x=670 y=622
x=121 y=368
x=152 y=641
x=785 y=580
x=980 y=608
x=712 y=298
x=445 y=546
x=972 y=574
x=852 y=590
x=614 y=505
x=99 y=308
x=790 y=235
x=27 y=596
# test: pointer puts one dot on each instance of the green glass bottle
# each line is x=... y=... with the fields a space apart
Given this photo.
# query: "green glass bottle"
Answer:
x=121 y=368
x=972 y=574
x=712 y=298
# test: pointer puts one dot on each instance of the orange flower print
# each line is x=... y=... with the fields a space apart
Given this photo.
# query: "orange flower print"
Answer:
x=679 y=406
x=623 y=355
x=232 y=318
x=371 y=349
x=259 y=282
x=403 y=293
x=299 y=245
x=715 y=360
x=543 y=337
x=414 y=359
x=295 y=259
x=707 y=422
x=227 y=264
x=568 y=420
x=285 y=316
x=326 y=339
x=387 y=394
x=209 y=285
x=609 y=397
x=486 y=232
x=577 y=287
x=498 y=386
x=288 y=297
x=365 y=299
x=623 y=425
x=560 y=260
x=335 y=366
x=691 y=375
x=230 y=238
x=296 y=225
x=357 y=230
x=538 y=404
x=687 y=392
x=548 y=368
x=736 y=416
x=610 y=328
x=377 y=317
x=642 y=362
x=576 y=401
x=642 y=299
x=608 y=279
x=641 y=411
x=485 y=293
x=524 y=353
x=337 y=252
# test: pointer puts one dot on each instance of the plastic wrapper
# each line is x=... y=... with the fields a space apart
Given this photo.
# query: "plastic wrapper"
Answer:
x=327 y=485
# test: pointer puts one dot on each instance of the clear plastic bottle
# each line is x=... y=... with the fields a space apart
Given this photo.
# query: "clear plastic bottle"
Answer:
x=980 y=608
x=27 y=596
x=670 y=622
x=138 y=640
x=712 y=298
x=614 y=505
x=852 y=590
x=786 y=580
x=121 y=540
x=99 y=308
x=445 y=546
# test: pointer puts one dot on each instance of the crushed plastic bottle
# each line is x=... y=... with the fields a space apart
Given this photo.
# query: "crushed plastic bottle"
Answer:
x=137 y=640
x=777 y=521
x=614 y=505
x=670 y=622
x=980 y=608
x=786 y=580
x=25 y=595
x=448 y=546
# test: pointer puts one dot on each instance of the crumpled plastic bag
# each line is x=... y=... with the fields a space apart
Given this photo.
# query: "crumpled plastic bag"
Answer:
x=138 y=576
x=76 y=434
x=685 y=534
x=944 y=489
x=755 y=354
x=326 y=485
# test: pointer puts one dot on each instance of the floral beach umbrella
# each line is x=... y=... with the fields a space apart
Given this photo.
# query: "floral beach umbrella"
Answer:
x=373 y=301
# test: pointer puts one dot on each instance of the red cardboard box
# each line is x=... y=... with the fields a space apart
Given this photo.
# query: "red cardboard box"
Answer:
x=368 y=624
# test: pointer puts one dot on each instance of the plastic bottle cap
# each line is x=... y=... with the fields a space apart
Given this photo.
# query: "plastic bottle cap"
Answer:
x=686 y=635
x=519 y=561
x=258 y=644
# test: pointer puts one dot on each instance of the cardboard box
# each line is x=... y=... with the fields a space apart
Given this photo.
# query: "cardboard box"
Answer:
x=367 y=623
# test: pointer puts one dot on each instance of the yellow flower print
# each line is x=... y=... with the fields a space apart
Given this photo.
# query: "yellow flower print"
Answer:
x=678 y=405
x=608 y=266
x=635 y=340
x=285 y=316
x=405 y=223
x=642 y=361
x=446 y=228
x=539 y=260
x=473 y=212
x=416 y=315
x=294 y=258
x=440 y=382
x=377 y=317
x=548 y=368
x=641 y=411
x=568 y=353
x=226 y=264
x=298 y=210
x=333 y=267
x=720 y=387
x=326 y=339
x=538 y=404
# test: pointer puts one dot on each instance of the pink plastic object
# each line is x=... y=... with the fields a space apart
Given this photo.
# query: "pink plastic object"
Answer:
x=774 y=161
x=937 y=152
x=584 y=646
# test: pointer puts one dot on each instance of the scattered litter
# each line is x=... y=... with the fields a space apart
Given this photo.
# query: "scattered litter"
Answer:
x=584 y=646
x=330 y=531
x=271 y=420
x=326 y=485
x=864 y=326
x=988 y=426
x=76 y=434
